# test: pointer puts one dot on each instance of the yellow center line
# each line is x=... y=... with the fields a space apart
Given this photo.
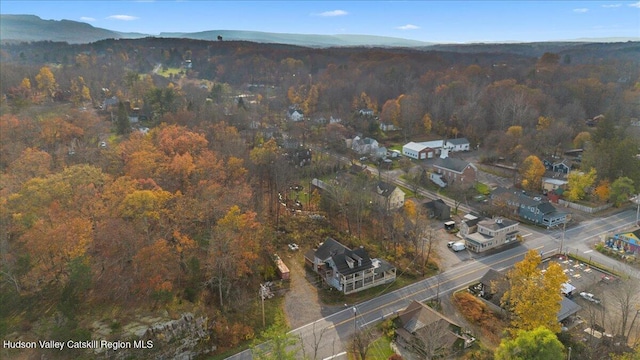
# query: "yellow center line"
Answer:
x=425 y=289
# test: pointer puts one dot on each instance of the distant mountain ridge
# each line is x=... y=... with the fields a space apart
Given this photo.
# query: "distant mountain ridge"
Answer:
x=28 y=28
x=299 y=39
x=31 y=28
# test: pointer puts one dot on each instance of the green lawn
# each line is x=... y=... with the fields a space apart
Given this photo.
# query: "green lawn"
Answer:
x=331 y=296
x=380 y=349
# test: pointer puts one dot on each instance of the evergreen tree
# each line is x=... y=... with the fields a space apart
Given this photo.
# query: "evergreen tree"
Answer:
x=123 y=126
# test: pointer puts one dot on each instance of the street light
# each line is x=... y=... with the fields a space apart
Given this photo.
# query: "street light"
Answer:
x=355 y=312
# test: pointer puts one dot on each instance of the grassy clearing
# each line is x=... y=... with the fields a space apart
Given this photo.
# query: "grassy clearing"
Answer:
x=166 y=72
x=483 y=189
x=380 y=349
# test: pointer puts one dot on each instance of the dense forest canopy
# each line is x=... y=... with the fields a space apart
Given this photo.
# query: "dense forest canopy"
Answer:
x=181 y=206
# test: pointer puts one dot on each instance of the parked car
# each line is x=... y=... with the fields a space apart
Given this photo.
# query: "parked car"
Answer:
x=459 y=246
x=293 y=247
x=590 y=297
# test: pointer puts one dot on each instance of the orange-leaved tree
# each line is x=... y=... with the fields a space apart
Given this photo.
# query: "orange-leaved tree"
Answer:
x=233 y=249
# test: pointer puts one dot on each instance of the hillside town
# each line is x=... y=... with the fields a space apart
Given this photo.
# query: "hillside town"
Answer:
x=195 y=199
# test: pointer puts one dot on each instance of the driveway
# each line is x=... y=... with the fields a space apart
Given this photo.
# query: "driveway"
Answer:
x=301 y=303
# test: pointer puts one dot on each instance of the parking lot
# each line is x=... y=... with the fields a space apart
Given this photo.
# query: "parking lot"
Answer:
x=580 y=274
x=604 y=317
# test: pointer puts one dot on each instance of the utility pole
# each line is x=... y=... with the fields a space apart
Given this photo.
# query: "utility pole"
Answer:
x=564 y=226
x=638 y=210
x=263 y=294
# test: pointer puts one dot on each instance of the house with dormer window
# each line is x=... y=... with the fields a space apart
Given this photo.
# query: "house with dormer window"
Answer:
x=347 y=270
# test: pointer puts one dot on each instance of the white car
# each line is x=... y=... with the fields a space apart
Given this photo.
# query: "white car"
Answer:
x=293 y=247
x=590 y=297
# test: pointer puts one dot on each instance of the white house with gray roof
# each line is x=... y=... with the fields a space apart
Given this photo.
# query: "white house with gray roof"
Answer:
x=461 y=144
x=347 y=270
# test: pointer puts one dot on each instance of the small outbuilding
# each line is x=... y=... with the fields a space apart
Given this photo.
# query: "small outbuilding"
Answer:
x=281 y=268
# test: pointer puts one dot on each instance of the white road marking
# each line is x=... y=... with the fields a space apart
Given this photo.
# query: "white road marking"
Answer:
x=335 y=356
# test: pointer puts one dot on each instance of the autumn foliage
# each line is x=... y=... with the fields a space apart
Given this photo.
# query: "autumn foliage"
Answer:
x=479 y=314
x=534 y=296
x=133 y=222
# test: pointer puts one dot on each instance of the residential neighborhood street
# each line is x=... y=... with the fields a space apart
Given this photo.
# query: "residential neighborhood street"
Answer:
x=338 y=327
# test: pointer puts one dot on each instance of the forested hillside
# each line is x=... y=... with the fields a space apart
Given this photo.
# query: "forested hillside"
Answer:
x=178 y=210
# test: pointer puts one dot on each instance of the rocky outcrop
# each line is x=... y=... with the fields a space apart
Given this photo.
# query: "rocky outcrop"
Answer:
x=154 y=338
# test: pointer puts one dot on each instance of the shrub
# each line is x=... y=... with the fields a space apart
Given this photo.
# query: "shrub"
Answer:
x=478 y=313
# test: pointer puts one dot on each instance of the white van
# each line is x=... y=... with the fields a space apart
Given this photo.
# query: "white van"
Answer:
x=459 y=246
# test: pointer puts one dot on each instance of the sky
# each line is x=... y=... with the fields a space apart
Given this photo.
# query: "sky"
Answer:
x=429 y=21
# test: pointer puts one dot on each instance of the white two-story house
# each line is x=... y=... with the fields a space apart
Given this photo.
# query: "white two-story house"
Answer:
x=492 y=233
x=347 y=270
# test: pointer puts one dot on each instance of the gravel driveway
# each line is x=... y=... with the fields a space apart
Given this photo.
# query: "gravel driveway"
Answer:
x=301 y=303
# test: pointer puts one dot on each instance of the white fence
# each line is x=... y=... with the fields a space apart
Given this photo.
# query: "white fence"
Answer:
x=584 y=208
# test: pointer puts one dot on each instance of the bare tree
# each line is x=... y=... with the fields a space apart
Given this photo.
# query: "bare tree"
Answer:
x=432 y=340
x=360 y=343
x=427 y=242
x=626 y=298
x=314 y=343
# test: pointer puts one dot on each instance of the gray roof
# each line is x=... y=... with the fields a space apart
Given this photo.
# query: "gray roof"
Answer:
x=385 y=189
x=328 y=248
x=460 y=141
x=497 y=224
x=517 y=196
x=342 y=255
x=457 y=165
x=472 y=222
x=546 y=208
x=358 y=254
x=567 y=308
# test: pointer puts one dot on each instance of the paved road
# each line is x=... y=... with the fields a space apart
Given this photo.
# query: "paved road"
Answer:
x=326 y=338
x=392 y=177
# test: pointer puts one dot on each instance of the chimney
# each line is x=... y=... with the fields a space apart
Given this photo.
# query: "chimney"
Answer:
x=444 y=153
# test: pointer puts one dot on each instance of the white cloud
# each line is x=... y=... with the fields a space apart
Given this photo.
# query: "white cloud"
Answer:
x=333 y=13
x=611 y=5
x=635 y=5
x=408 y=27
x=581 y=10
x=122 y=17
x=86 y=18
